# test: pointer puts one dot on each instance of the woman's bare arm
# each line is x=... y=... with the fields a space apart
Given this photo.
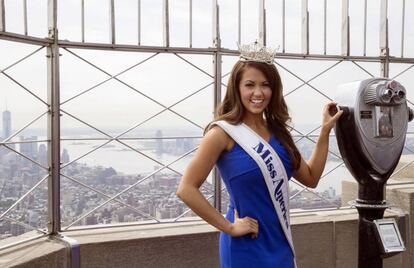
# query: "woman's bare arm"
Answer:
x=212 y=145
x=310 y=172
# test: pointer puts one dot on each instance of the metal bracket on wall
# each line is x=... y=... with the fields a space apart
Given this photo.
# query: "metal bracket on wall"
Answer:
x=72 y=247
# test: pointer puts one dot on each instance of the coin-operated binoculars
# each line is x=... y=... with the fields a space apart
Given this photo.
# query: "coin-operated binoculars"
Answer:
x=371 y=135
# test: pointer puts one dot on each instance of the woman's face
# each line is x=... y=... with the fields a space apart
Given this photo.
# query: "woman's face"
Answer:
x=255 y=91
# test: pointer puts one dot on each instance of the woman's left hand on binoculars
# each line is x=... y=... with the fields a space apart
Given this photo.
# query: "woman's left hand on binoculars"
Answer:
x=330 y=115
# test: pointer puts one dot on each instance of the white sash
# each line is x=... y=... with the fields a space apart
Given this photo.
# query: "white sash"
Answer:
x=271 y=167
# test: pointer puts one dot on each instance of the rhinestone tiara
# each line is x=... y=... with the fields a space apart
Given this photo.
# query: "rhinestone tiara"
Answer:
x=257 y=52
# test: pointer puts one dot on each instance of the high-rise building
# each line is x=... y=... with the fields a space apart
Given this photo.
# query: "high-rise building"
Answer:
x=331 y=192
x=159 y=149
x=16 y=229
x=29 y=148
x=7 y=131
x=64 y=158
x=43 y=155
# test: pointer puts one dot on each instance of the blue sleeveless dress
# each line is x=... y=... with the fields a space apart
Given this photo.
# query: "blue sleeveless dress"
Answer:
x=250 y=197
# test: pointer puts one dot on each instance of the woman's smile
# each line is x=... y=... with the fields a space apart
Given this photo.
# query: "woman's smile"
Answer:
x=255 y=91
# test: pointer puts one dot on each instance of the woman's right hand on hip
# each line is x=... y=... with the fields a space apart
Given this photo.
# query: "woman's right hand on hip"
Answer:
x=244 y=226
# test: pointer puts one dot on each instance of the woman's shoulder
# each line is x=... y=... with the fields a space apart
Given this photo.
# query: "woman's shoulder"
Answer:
x=215 y=132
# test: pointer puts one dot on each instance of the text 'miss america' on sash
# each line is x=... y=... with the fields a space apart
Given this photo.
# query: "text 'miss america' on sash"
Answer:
x=267 y=158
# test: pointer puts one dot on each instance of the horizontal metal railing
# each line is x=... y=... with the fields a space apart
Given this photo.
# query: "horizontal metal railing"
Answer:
x=263 y=21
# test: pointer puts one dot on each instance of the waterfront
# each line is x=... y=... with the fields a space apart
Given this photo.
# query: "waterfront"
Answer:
x=130 y=162
x=128 y=166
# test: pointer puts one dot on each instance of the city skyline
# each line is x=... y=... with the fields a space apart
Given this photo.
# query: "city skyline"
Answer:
x=154 y=198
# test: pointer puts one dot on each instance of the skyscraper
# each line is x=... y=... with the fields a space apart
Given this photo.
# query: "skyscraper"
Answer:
x=43 y=155
x=6 y=124
x=64 y=158
x=30 y=148
x=159 y=148
x=6 y=131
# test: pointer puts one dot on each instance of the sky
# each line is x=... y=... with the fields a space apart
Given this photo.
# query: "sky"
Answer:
x=167 y=78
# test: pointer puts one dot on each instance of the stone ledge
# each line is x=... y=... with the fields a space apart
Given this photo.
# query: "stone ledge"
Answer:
x=42 y=252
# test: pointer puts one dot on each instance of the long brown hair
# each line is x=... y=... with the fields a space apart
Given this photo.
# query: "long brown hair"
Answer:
x=276 y=114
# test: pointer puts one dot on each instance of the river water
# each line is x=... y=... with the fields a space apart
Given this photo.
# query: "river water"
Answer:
x=127 y=161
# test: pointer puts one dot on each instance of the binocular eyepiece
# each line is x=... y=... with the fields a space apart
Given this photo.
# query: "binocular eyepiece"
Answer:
x=385 y=93
x=392 y=96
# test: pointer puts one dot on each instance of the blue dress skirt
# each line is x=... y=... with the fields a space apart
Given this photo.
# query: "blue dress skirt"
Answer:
x=250 y=197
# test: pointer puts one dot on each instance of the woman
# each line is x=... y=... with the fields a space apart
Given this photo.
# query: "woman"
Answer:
x=256 y=228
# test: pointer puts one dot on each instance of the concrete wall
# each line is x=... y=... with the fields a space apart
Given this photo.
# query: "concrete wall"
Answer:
x=187 y=250
x=42 y=252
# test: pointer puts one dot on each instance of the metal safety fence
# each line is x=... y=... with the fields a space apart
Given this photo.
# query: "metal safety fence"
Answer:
x=314 y=57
